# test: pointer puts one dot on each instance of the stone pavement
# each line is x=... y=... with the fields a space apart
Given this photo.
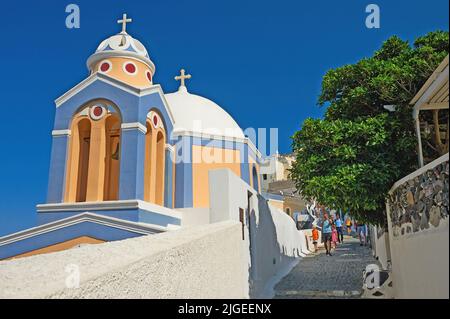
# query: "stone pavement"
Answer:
x=321 y=276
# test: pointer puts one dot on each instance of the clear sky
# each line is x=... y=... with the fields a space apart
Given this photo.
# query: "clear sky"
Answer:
x=260 y=60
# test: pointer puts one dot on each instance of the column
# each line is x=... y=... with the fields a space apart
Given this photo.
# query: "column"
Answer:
x=97 y=153
x=132 y=155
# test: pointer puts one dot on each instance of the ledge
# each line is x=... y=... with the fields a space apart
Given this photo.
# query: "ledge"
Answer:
x=443 y=158
x=108 y=205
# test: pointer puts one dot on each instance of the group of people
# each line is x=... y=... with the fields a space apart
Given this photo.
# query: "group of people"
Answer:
x=333 y=232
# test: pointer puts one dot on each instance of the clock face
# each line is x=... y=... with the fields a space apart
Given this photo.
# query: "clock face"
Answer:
x=97 y=112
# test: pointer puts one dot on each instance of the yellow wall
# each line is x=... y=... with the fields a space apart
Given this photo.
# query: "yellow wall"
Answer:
x=139 y=79
x=61 y=246
x=277 y=204
x=222 y=158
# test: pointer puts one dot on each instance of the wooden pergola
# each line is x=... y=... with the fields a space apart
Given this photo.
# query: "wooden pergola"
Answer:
x=432 y=96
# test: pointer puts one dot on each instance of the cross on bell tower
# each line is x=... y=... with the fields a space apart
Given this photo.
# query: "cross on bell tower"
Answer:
x=182 y=77
x=124 y=22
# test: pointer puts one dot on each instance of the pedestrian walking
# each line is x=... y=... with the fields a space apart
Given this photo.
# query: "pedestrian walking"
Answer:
x=315 y=237
x=361 y=231
x=348 y=223
x=334 y=236
x=326 y=233
x=340 y=232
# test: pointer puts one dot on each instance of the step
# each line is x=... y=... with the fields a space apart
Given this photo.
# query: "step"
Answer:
x=319 y=293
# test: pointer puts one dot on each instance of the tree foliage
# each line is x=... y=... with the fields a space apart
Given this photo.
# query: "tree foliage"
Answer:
x=352 y=157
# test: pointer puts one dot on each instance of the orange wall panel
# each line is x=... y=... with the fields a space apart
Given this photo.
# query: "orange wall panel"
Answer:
x=204 y=159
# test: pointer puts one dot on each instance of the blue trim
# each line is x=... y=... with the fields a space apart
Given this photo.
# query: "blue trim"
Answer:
x=154 y=102
x=126 y=102
x=133 y=215
x=131 y=180
x=56 y=179
x=108 y=48
x=132 y=108
x=98 y=231
x=168 y=181
x=130 y=214
x=272 y=196
x=130 y=49
x=183 y=173
x=245 y=170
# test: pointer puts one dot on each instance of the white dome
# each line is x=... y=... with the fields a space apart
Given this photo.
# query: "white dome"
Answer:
x=198 y=115
x=121 y=44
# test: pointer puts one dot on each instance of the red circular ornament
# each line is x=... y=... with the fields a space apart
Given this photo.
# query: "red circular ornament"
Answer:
x=130 y=68
x=149 y=76
x=98 y=111
x=104 y=67
x=155 y=120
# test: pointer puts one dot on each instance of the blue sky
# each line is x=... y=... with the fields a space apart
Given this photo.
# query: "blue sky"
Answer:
x=261 y=60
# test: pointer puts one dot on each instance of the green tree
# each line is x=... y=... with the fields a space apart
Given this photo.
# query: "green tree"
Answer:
x=351 y=158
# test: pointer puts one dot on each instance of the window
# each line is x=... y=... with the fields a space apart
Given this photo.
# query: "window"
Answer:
x=265 y=177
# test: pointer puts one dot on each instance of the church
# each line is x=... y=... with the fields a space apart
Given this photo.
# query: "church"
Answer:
x=128 y=159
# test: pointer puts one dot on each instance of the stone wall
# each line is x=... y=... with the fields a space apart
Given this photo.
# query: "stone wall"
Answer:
x=418 y=221
x=421 y=202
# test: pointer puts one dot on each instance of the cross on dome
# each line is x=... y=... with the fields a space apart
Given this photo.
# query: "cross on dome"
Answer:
x=182 y=77
x=124 y=22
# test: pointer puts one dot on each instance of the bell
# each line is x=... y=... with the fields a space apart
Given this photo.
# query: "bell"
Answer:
x=115 y=155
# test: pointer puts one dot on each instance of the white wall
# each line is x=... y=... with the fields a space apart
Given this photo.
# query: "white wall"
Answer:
x=275 y=241
x=420 y=264
x=194 y=216
x=420 y=260
x=216 y=260
x=380 y=247
x=196 y=262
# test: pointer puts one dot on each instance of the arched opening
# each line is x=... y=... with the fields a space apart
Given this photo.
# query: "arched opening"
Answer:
x=255 y=179
x=160 y=159
x=82 y=148
x=154 y=166
x=92 y=168
x=148 y=163
x=112 y=158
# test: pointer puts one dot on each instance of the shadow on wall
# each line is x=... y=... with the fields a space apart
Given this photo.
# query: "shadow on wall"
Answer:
x=270 y=236
x=269 y=253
